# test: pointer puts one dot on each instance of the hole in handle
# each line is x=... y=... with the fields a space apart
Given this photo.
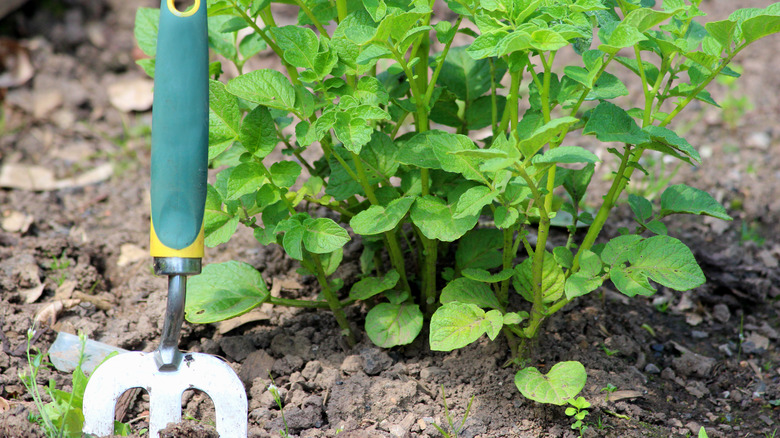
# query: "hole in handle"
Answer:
x=183 y=8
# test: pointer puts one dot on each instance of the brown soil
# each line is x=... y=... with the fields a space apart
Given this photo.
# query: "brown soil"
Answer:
x=708 y=357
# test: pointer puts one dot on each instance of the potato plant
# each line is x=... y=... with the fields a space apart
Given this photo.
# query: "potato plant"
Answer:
x=422 y=151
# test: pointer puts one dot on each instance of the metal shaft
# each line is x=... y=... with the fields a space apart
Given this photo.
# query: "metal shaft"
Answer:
x=167 y=356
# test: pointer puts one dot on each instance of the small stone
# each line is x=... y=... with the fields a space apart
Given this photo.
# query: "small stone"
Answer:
x=724 y=348
x=430 y=373
x=45 y=102
x=668 y=374
x=693 y=319
x=698 y=334
x=692 y=364
x=287 y=365
x=375 y=360
x=257 y=364
x=652 y=369
x=424 y=422
x=765 y=418
x=352 y=364
x=236 y=347
x=768 y=331
x=693 y=427
x=721 y=313
x=759 y=140
x=755 y=344
x=311 y=370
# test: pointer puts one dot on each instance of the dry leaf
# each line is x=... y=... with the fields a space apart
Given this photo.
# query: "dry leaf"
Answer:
x=622 y=395
x=129 y=253
x=48 y=314
x=46 y=101
x=65 y=290
x=133 y=94
x=251 y=316
x=39 y=178
x=4 y=405
x=16 y=222
x=31 y=295
x=15 y=65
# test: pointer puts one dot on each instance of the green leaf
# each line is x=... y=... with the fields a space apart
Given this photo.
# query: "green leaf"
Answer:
x=223 y=291
x=292 y=241
x=244 y=179
x=564 y=381
x=147 y=22
x=607 y=87
x=663 y=259
x=542 y=135
x=619 y=249
x=758 y=27
x=436 y=220
x=566 y=154
x=258 y=133
x=494 y=322
x=466 y=290
x=479 y=249
x=484 y=276
x=624 y=35
x=285 y=173
x=389 y=325
x=352 y=132
x=546 y=40
x=370 y=286
x=505 y=217
x=681 y=198
x=473 y=200
x=587 y=279
x=642 y=208
x=576 y=181
x=464 y=76
x=610 y=123
x=323 y=235
x=455 y=325
x=514 y=318
x=479 y=114
x=563 y=256
x=722 y=31
x=377 y=219
x=299 y=45
x=224 y=118
x=377 y=9
x=552 y=279
x=669 y=138
x=266 y=87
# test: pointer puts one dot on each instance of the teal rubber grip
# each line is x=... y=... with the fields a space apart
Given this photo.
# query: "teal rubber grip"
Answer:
x=180 y=119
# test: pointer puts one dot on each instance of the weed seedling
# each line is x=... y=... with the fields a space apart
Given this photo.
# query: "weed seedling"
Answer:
x=274 y=390
x=453 y=430
x=609 y=352
x=578 y=411
x=609 y=389
x=59 y=266
x=62 y=416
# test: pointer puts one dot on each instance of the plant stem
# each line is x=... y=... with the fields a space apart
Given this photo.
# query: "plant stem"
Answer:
x=312 y=17
x=305 y=304
x=332 y=299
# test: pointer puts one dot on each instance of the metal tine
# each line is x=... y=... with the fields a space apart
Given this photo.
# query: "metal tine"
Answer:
x=139 y=370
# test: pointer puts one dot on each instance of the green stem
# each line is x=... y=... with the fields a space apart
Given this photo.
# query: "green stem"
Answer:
x=333 y=301
x=439 y=64
x=601 y=216
x=394 y=249
x=312 y=17
x=341 y=9
x=511 y=110
x=305 y=304
x=507 y=258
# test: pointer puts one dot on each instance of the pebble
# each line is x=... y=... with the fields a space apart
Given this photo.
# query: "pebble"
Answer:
x=768 y=331
x=765 y=418
x=721 y=313
x=692 y=364
x=430 y=373
x=352 y=364
x=724 y=348
x=668 y=374
x=698 y=334
x=375 y=360
x=759 y=140
x=257 y=364
x=311 y=370
x=755 y=344
x=652 y=369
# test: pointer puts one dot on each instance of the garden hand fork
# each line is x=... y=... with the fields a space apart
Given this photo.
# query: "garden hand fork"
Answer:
x=178 y=194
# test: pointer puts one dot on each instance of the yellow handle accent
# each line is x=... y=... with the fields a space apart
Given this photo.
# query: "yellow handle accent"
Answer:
x=187 y=13
x=194 y=251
